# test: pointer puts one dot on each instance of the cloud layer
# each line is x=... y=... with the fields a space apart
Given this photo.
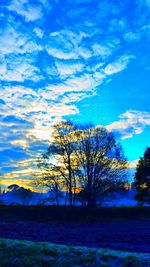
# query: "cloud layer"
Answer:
x=54 y=55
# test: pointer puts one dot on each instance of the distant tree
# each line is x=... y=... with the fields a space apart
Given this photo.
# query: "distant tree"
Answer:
x=102 y=164
x=21 y=193
x=13 y=187
x=142 y=179
x=50 y=178
x=25 y=194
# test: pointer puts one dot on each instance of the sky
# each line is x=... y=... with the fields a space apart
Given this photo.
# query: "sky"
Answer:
x=82 y=60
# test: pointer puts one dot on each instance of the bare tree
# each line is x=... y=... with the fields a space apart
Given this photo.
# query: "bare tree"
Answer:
x=102 y=165
x=49 y=177
x=58 y=163
x=83 y=158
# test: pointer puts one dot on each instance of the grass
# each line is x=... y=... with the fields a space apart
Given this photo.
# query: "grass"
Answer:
x=14 y=253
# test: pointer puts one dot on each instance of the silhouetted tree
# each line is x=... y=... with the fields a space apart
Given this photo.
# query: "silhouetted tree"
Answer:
x=57 y=164
x=49 y=177
x=21 y=193
x=25 y=194
x=102 y=165
x=83 y=158
x=13 y=187
x=142 y=179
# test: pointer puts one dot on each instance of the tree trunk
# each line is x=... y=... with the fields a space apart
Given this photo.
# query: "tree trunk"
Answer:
x=89 y=188
x=70 y=182
x=74 y=191
x=70 y=193
x=57 y=194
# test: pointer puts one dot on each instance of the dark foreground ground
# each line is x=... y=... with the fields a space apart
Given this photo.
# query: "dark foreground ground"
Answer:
x=128 y=235
x=117 y=229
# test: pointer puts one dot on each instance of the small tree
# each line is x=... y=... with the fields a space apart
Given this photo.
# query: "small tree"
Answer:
x=142 y=179
x=49 y=177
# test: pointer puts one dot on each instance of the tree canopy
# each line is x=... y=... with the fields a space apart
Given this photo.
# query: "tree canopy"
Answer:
x=142 y=178
x=83 y=159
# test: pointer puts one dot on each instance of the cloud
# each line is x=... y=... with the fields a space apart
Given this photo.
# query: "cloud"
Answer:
x=18 y=69
x=130 y=123
x=100 y=50
x=133 y=164
x=29 y=10
x=21 y=143
x=68 y=68
x=39 y=32
x=118 y=65
x=74 y=98
x=65 y=44
x=16 y=40
x=82 y=83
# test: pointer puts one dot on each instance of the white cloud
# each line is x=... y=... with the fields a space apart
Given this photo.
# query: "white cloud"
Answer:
x=117 y=65
x=74 y=97
x=130 y=123
x=80 y=83
x=101 y=50
x=30 y=12
x=17 y=68
x=16 y=41
x=34 y=109
x=67 y=45
x=133 y=164
x=84 y=83
x=67 y=68
x=21 y=143
x=39 y=32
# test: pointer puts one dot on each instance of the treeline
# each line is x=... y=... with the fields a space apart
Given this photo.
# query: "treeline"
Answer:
x=76 y=214
x=85 y=164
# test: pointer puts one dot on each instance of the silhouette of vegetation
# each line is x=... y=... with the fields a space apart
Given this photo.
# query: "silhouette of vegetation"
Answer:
x=102 y=165
x=142 y=179
x=83 y=159
x=58 y=175
x=46 y=214
x=21 y=193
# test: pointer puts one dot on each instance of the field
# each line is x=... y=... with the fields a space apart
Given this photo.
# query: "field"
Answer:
x=50 y=236
x=28 y=254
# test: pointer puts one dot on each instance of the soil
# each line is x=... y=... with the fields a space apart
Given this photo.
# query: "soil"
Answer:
x=129 y=235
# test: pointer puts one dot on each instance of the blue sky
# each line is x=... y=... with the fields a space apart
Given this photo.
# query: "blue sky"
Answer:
x=84 y=60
